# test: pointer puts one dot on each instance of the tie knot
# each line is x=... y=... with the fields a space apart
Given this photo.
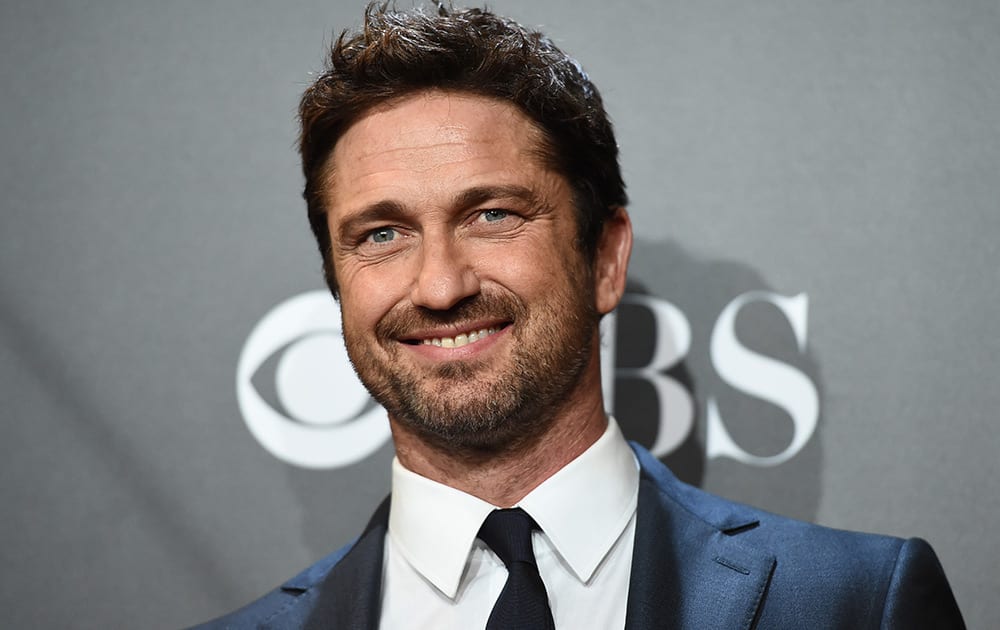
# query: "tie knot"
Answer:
x=508 y=534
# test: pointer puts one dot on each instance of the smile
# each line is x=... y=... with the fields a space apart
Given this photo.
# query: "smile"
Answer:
x=463 y=339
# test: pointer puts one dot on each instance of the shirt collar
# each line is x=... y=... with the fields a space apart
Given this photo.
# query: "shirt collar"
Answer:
x=585 y=506
x=434 y=526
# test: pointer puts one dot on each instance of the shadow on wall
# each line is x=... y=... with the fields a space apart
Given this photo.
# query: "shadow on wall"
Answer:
x=760 y=377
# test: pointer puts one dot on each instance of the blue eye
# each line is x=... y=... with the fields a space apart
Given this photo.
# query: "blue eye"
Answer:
x=382 y=235
x=494 y=215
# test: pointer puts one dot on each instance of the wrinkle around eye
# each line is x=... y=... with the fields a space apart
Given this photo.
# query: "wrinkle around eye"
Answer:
x=368 y=245
x=497 y=222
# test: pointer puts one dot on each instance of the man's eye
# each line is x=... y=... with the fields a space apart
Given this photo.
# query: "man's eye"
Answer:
x=491 y=216
x=382 y=235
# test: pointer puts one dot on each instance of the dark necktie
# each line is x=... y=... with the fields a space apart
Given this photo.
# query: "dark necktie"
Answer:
x=523 y=603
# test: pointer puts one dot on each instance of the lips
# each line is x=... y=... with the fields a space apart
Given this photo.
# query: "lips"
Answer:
x=468 y=322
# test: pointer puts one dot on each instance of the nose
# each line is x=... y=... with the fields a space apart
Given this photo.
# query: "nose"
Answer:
x=444 y=277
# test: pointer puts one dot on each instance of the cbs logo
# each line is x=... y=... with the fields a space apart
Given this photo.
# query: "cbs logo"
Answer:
x=330 y=420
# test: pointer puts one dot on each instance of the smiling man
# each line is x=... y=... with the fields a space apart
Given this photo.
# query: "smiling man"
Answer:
x=462 y=182
x=469 y=311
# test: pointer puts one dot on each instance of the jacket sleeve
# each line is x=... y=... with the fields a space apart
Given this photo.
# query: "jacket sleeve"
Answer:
x=919 y=596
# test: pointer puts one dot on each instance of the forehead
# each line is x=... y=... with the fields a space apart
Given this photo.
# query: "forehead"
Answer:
x=431 y=143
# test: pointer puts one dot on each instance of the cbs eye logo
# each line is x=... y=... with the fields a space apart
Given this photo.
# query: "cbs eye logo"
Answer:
x=330 y=421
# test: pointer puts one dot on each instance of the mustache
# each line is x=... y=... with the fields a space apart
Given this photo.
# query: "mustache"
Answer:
x=403 y=319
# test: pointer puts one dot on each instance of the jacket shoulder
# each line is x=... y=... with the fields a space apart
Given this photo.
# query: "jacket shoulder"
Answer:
x=748 y=522
x=260 y=612
x=341 y=590
x=821 y=574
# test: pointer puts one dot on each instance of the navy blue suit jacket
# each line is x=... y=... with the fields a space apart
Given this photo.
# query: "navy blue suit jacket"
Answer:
x=699 y=563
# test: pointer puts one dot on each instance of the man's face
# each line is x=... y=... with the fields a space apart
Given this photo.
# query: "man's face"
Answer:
x=467 y=310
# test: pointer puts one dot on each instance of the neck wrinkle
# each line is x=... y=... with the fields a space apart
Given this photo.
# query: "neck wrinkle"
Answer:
x=505 y=479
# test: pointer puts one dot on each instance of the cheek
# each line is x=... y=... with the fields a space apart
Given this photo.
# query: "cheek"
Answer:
x=540 y=256
x=364 y=299
x=534 y=278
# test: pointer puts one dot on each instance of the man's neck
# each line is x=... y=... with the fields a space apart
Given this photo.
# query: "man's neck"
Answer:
x=505 y=478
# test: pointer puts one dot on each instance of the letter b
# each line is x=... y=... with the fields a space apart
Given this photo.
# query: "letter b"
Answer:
x=672 y=343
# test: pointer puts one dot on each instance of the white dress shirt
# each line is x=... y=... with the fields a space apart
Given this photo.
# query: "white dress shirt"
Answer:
x=437 y=574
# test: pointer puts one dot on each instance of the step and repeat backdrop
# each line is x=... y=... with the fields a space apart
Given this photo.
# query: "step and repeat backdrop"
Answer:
x=810 y=326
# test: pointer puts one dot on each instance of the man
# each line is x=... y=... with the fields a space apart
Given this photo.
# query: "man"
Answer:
x=463 y=186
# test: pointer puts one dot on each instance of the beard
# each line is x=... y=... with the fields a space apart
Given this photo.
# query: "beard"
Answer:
x=490 y=406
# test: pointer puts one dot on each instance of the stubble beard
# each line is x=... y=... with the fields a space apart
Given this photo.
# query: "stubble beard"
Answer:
x=475 y=408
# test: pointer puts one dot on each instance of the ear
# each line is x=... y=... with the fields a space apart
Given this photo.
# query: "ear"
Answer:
x=611 y=261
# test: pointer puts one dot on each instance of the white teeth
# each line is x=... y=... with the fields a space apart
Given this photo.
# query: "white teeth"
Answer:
x=458 y=341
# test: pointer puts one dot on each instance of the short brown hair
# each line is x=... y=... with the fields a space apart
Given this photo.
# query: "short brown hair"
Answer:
x=398 y=53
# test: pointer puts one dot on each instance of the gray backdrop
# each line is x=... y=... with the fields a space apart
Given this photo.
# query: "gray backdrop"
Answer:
x=814 y=189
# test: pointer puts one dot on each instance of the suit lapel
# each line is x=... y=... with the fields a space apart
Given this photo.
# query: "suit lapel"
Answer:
x=688 y=571
x=350 y=595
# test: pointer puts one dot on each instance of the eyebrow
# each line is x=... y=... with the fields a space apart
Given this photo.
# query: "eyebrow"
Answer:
x=391 y=210
x=479 y=194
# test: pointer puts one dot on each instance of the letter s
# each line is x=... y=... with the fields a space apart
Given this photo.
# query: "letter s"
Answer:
x=763 y=377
